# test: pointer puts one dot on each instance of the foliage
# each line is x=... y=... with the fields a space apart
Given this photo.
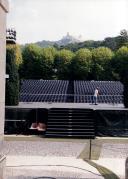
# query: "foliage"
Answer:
x=113 y=43
x=37 y=62
x=90 y=44
x=17 y=51
x=120 y=64
x=12 y=84
x=62 y=63
x=47 y=62
x=102 y=57
x=30 y=67
x=81 y=65
x=124 y=33
x=110 y=43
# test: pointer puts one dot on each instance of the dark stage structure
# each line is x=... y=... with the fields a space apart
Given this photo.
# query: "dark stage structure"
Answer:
x=64 y=109
x=68 y=122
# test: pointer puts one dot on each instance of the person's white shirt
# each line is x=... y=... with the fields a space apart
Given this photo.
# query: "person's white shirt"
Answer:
x=96 y=93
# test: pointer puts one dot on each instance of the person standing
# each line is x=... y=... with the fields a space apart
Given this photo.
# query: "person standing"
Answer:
x=96 y=92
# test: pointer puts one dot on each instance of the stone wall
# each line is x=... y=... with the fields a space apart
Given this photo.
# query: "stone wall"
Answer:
x=3 y=11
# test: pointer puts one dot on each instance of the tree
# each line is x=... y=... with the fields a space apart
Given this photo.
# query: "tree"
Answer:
x=30 y=68
x=120 y=64
x=37 y=62
x=122 y=39
x=110 y=42
x=62 y=63
x=12 y=84
x=81 y=65
x=19 y=59
x=47 y=62
x=102 y=57
x=124 y=33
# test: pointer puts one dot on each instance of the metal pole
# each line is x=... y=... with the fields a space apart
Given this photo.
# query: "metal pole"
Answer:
x=90 y=149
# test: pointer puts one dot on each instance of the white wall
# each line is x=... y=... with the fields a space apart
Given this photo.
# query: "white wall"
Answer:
x=3 y=11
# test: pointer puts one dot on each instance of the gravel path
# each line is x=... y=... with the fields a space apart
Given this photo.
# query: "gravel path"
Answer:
x=42 y=148
x=114 y=151
x=35 y=154
x=112 y=156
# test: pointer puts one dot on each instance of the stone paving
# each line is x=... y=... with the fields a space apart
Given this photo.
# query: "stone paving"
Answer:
x=40 y=153
x=114 y=151
x=29 y=159
x=113 y=157
x=42 y=148
x=57 y=167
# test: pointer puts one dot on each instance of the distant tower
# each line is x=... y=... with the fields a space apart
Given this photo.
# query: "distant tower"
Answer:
x=68 y=34
x=10 y=36
x=80 y=38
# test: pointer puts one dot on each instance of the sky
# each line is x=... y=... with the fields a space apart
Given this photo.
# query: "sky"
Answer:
x=36 y=20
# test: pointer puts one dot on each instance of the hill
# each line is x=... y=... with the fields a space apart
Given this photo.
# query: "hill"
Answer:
x=65 y=40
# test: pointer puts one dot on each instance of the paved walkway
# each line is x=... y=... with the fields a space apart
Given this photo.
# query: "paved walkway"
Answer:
x=57 y=167
x=117 y=165
x=44 y=148
x=113 y=156
x=59 y=159
x=32 y=159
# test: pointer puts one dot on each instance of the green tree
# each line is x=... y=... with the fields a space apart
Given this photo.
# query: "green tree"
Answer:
x=62 y=63
x=110 y=42
x=17 y=51
x=124 y=33
x=121 y=62
x=19 y=59
x=101 y=69
x=30 y=68
x=12 y=84
x=37 y=62
x=120 y=65
x=47 y=62
x=81 y=65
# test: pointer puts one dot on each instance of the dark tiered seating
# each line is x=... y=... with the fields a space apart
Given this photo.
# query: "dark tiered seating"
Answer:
x=43 y=91
x=65 y=91
x=109 y=91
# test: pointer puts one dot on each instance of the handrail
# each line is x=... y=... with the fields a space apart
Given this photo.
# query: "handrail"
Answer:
x=69 y=94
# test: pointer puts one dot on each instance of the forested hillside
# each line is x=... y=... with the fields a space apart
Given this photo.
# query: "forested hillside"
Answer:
x=71 y=43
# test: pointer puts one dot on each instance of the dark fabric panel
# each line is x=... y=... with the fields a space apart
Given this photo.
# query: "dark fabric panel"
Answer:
x=42 y=115
x=18 y=120
x=32 y=115
x=10 y=113
x=111 y=122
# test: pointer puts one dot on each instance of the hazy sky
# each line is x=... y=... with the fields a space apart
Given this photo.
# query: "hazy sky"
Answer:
x=36 y=20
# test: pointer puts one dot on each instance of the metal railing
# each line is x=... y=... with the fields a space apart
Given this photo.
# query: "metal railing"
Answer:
x=75 y=98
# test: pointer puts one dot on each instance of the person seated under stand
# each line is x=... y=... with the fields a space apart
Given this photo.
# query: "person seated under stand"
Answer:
x=38 y=126
x=38 y=119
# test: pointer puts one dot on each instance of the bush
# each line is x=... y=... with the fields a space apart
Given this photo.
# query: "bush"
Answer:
x=12 y=84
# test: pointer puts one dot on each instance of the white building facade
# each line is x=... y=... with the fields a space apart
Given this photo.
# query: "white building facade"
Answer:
x=3 y=13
